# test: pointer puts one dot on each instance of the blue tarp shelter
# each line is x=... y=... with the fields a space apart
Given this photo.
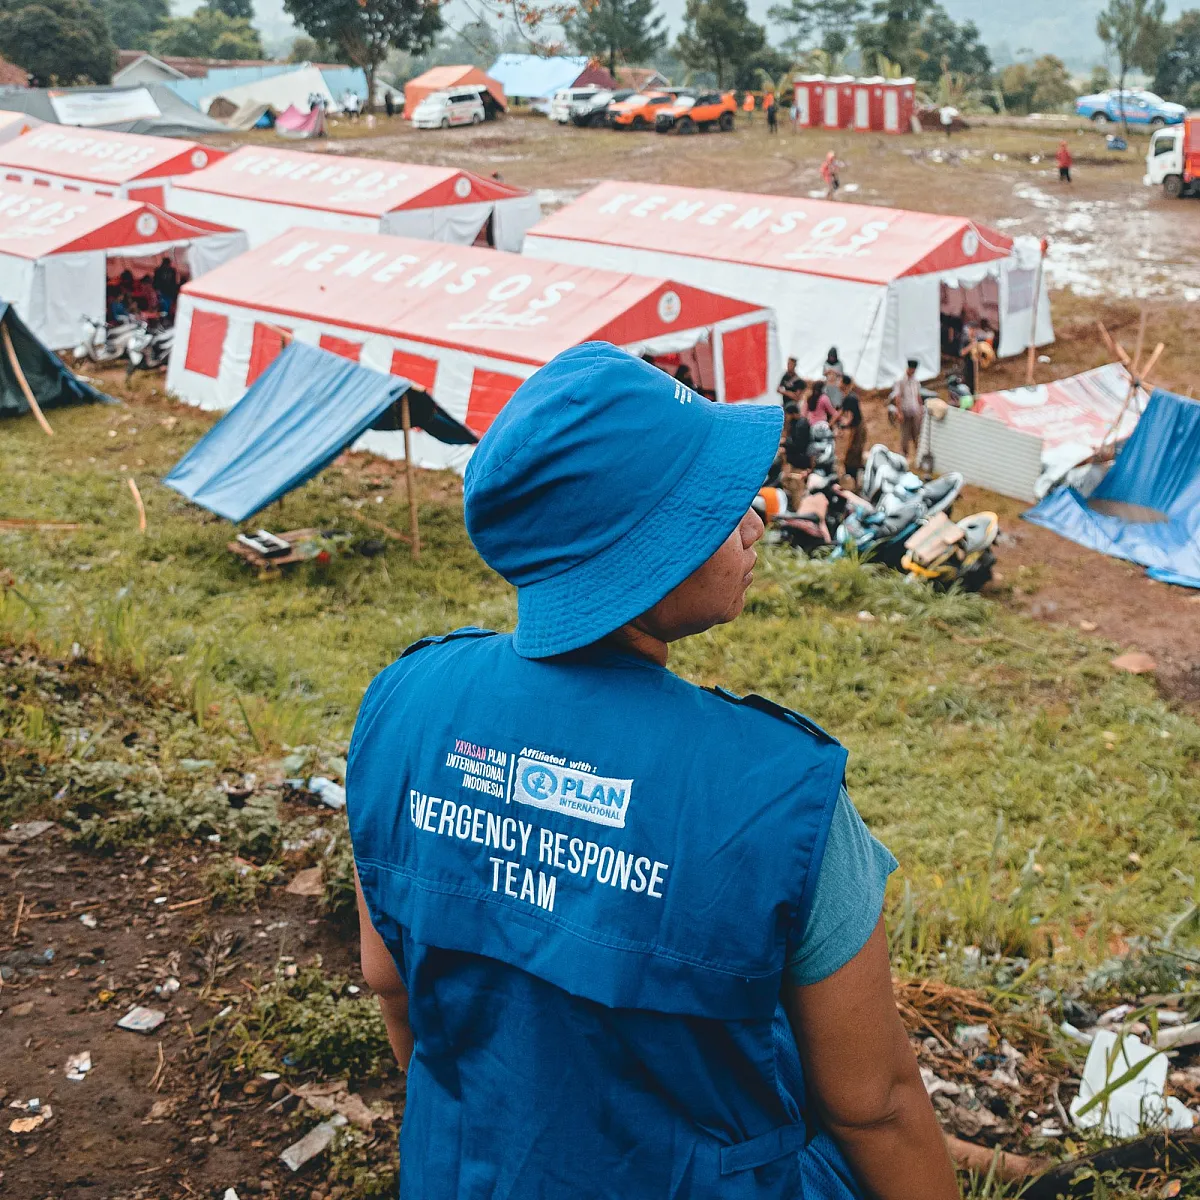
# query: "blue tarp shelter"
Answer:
x=1147 y=508
x=301 y=413
x=52 y=383
x=531 y=77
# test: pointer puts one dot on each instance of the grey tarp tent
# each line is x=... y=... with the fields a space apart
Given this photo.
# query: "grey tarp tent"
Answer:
x=176 y=117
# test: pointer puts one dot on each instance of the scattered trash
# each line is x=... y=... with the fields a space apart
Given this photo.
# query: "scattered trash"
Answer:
x=1044 y=358
x=78 y=1065
x=1135 y=662
x=866 y=616
x=29 y=1124
x=1114 y=1016
x=314 y=1142
x=230 y=1194
x=88 y=921
x=1123 y=1081
x=308 y=882
x=1178 y=1035
x=971 y=1037
x=1076 y=1035
x=934 y=1085
x=1088 y=626
x=26 y=831
x=168 y=987
x=331 y=794
x=142 y=1020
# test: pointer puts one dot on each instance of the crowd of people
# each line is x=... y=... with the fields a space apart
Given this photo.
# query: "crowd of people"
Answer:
x=151 y=297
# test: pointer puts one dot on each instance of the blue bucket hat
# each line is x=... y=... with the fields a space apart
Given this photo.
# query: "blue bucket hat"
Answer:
x=603 y=484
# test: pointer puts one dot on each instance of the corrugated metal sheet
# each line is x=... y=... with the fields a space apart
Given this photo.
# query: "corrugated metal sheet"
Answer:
x=988 y=453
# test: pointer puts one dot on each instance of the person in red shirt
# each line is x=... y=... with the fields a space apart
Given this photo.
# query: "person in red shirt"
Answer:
x=1064 y=160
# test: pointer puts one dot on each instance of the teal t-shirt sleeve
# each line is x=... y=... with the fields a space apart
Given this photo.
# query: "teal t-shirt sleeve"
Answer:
x=847 y=901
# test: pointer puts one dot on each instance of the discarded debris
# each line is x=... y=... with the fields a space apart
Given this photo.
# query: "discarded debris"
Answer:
x=78 y=1065
x=26 y=831
x=1123 y=1081
x=866 y=617
x=971 y=1037
x=315 y=1141
x=331 y=794
x=37 y=1115
x=1135 y=662
x=168 y=987
x=88 y=921
x=308 y=882
x=327 y=1098
x=142 y=1020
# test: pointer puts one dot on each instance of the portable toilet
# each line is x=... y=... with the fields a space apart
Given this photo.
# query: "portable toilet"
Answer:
x=868 y=100
x=808 y=90
x=837 y=109
x=898 y=105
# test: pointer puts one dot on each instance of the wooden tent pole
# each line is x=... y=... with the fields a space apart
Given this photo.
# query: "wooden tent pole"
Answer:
x=30 y=398
x=1037 y=295
x=413 y=527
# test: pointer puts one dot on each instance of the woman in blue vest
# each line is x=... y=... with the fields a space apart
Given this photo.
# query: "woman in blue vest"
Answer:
x=625 y=931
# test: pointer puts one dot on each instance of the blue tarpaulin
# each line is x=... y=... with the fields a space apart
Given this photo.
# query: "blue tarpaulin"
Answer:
x=1158 y=469
x=532 y=77
x=300 y=414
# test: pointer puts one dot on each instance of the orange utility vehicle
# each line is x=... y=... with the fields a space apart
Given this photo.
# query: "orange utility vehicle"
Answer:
x=700 y=112
x=638 y=112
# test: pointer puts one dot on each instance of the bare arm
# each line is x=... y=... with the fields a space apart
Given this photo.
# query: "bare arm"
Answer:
x=379 y=970
x=863 y=1078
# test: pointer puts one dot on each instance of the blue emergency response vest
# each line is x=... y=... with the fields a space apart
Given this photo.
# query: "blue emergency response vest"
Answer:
x=588 y=871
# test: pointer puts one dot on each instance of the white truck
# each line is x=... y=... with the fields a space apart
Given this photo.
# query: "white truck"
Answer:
x=1173 y=160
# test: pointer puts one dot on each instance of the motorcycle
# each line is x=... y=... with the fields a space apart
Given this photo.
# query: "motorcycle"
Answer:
x=903 y=508
x=149 y=349
x=821 y=513
x=822 y=449
x=945 y=553
x=103 y=343
x=882 y=471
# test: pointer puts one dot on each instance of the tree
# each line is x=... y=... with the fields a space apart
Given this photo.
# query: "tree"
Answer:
x=940 y=45
x=135 y=21
x=1100 y=80
x=1039 y=87
x=305 y=50
x=1132 y=31
x=364 y=31
x=208 y=33
x=627 y=31
x=890 y=35
x=1177 y=72
x=718 y=36
x=59 y=42
x=824 y=24
x=239 y=10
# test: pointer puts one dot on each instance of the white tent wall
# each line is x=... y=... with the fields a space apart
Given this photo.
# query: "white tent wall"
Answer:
x=1016 y=309
x=260 y=221
x=458 y=224
x=66 y=288
x=513 y=219
x=16 y=286
x=279 y=91
x=207 y=253
x=912 y=330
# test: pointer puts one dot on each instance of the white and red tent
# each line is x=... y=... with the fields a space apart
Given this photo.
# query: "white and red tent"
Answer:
x=871 y=281
x=59 y=251
x=127 y=165
x=266 y=191
x=466 y=325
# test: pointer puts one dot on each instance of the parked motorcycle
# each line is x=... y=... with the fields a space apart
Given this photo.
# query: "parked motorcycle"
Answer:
x=149 y=349
x=103 y=343
x=945 y=553
x=821 y=513
x=904 y=506
x=882 y=471
x=822 y=449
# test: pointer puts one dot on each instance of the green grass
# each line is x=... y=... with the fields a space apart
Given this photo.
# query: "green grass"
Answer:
x=1040 y=804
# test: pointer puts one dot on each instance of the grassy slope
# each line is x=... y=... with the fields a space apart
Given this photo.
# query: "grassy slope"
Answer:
x=957 y=714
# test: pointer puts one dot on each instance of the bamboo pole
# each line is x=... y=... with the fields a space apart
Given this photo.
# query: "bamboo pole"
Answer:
x=30 y=398
x=410 y=481
x=1037 y=295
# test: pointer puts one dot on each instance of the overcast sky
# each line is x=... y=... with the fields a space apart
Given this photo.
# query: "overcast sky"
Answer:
x=1063 y=27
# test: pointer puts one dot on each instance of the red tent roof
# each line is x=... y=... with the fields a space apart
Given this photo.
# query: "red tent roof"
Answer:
x=98 y=156
x=361 y=187
x=483 y=301
x=815 y=237
x=37 y=221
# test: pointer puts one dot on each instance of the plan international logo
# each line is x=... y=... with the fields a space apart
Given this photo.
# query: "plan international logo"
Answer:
x=573 y=791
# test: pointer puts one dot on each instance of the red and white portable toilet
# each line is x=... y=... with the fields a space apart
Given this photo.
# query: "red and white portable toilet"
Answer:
x=898 y=105
x=868 y=100
x=838 y=101
x=808 y=92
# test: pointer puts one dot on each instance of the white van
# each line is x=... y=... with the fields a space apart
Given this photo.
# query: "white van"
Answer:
x=564 y=98
x=454 y=106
